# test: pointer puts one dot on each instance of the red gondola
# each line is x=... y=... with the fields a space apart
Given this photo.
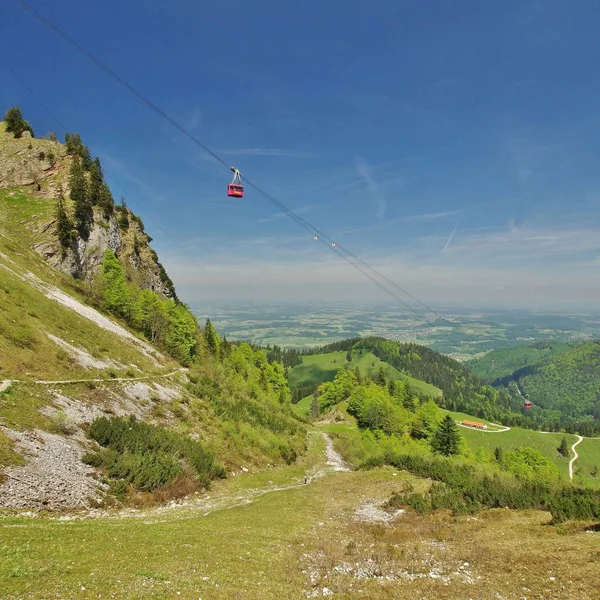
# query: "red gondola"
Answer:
x=527 y=404
x=235 y=189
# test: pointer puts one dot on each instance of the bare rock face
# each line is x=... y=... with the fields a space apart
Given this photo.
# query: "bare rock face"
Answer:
x=84 y=259
x=103 y=236
x=24 y=161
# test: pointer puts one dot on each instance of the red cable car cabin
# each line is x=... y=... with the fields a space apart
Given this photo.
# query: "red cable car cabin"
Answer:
x=527 y=404
x=235 y=189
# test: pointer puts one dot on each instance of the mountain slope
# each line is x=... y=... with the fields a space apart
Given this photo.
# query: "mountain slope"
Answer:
x=562 y=380
x=77 y=354
x=462 y=390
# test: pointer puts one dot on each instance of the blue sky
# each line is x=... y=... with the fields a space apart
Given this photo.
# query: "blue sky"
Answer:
x=452 y=145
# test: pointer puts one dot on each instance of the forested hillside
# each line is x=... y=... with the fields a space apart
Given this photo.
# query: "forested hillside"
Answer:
x=561 y=380
x=462 y=390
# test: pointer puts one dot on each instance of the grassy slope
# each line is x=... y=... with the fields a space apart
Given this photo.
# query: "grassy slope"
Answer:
x=302 y=408
x=515 y=438
x=546 y=443
x=269 y=549
x=28 y=354
x=26 y=315
x=319 y=368
x=589 y=457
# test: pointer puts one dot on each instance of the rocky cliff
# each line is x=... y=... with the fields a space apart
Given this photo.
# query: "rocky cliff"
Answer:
x=41 y=167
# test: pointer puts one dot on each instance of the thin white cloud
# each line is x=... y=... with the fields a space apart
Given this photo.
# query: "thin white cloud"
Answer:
x=450 y=238
x=431 y=216
x=364 y=171
x=328 y=278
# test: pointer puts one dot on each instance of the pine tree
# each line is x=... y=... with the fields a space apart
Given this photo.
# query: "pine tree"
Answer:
x=358 y=374
x=86 y=157
x=498 y=454
x=349 y=356
x=315 y=409
x=563 y=449
x=96 y=181
x=124 y=215
x=64 y=227
x=136 y=245
x=410 y=399
x=80 y=196
x=446 y=440
x=15 y=123
x=106 y=203
x=380 y=379
x=72 y=142
x=212 y=338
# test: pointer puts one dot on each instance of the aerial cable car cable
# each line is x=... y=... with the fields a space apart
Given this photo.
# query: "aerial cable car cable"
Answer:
x=321 y=236
x=32 y=93
x=302 y=222
x=299 y=220
x=26 y=6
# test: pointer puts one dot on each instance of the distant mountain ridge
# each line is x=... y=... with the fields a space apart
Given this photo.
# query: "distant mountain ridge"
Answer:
x=562 y=380
x=462 y=390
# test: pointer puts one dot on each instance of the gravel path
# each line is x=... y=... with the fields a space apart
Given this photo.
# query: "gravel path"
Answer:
x=334 y=459
x=575 y=455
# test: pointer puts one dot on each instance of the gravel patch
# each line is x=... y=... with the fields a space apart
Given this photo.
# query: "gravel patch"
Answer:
x=76 y=411
x=369 y=513
x=54 y=477
x=166 y=394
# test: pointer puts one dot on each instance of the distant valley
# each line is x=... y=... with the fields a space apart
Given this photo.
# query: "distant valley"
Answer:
x=471 y=333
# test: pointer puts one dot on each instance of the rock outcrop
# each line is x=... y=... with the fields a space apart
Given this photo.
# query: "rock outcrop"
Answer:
x=41 y=167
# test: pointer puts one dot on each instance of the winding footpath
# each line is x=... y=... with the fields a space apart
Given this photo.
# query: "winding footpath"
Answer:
x=5 y=384
x=575 y=455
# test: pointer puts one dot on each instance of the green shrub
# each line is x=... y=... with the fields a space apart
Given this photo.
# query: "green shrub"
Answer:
x=148 y=457
x=468 y=489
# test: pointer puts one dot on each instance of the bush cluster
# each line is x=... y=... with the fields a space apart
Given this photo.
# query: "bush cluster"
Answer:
x=251 y=397
x=465 y=489
x=148 y=457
